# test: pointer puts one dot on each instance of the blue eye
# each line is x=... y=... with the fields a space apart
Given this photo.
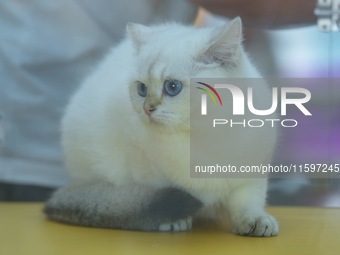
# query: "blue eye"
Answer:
x=172 y=87
x=142 y=89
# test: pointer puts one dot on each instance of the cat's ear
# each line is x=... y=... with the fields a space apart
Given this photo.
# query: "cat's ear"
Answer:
x=138 y=34
x=225 y=44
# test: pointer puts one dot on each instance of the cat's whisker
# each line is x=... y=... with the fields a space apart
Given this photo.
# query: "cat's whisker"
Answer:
x=181 y=122
x=172 y=129
x=176 y=132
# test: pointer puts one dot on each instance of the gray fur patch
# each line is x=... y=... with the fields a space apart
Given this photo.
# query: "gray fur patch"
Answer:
x=105 y=206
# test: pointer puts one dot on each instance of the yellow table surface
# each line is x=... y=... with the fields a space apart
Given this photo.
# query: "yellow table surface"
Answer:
x=303 y=230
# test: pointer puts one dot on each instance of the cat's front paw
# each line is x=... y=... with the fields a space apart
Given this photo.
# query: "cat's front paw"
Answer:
x=176 y=226
x=263 y=225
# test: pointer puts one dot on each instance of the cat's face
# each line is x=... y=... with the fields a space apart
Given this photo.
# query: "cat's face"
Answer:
x=166 y=57
x=162 y=99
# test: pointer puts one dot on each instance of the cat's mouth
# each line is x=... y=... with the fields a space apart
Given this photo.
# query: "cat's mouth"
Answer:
x=166 y=124
x=158 y=120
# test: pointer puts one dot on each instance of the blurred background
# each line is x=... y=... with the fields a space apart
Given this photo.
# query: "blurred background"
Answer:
x=47 y=47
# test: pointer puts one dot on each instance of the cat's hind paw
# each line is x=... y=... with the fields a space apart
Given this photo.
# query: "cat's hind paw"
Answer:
x=176 y=226
x=261 y=226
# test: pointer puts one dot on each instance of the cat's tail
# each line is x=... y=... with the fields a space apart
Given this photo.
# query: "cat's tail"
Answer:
x=104 y=205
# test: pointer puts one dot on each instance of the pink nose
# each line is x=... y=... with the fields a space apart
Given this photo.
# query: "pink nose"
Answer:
x=149 y=109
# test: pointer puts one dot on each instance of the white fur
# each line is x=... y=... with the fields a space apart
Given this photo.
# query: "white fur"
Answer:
x=107 y=135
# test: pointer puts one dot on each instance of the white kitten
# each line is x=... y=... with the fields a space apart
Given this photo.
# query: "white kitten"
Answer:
x=130 y=169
